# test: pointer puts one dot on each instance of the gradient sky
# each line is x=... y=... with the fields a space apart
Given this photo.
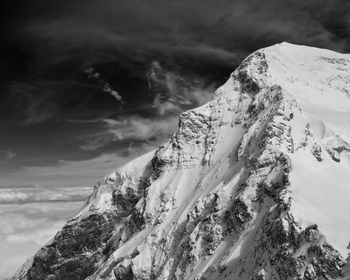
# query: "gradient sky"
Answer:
x=99 y=82
x=87 y=85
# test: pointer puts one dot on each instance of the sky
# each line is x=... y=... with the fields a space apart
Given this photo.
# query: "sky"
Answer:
x=86 y=80
x=88 y=85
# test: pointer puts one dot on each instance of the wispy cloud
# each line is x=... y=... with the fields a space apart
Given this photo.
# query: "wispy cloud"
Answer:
x=6 y=155
x=106 y=87
x=176 y=92
x=70 y=173
x=33 y=101
x=173 y=93
x=137 y=131
x=136 y=128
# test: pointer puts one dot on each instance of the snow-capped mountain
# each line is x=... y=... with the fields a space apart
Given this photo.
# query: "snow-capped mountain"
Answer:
x=254 y=184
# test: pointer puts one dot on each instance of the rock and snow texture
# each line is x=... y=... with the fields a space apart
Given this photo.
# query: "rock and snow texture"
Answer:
x=254 y=184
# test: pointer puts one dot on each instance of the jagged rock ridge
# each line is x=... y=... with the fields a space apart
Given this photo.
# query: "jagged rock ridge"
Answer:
x=253 y=185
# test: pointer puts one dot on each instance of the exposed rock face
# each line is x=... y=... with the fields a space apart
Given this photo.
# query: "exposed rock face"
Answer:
x=223 y=198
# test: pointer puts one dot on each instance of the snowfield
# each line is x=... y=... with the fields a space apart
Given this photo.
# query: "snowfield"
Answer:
x=319 y=80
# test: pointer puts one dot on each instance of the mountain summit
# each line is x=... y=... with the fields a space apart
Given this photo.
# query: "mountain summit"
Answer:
x=253 y=185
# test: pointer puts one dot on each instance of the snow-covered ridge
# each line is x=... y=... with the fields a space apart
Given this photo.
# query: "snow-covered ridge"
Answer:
x=253 y=185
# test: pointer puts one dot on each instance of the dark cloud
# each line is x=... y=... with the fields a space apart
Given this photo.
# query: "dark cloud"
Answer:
x=217 y=29
x=77 y=60
x=58 y=40
x=206 y=37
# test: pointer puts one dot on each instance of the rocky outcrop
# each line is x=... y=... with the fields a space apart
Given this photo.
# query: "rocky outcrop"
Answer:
x=214 y=202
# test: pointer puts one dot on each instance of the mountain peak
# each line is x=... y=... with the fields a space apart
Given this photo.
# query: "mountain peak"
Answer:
x=253 y=185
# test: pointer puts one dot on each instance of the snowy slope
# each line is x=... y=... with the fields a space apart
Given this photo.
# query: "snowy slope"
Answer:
x=253 y=185
x=319 y=80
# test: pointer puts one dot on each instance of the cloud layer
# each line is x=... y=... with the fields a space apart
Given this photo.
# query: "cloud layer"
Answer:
x=35 y=224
